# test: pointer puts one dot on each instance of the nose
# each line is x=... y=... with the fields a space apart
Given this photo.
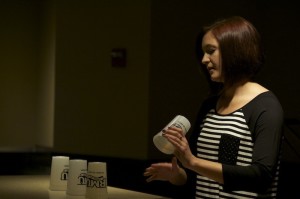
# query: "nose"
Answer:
x=205 y=59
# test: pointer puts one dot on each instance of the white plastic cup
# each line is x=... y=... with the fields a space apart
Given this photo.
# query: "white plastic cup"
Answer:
x=96 y=186
x=162 y=143
x=59 y=173
x=76 y=185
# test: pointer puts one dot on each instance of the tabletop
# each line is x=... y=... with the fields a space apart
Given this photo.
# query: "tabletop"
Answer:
x=37 y=187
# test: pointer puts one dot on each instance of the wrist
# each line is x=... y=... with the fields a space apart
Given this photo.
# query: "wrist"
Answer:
x=178 y=178
x=192 y=163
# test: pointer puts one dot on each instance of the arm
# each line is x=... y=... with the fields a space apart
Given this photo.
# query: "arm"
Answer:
x=212 y=170
x=267 y=127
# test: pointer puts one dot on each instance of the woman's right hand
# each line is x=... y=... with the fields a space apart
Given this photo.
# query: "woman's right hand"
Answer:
x=166 y=172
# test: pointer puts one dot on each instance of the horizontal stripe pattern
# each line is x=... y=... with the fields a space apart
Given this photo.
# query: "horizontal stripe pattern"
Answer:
x=208 y=143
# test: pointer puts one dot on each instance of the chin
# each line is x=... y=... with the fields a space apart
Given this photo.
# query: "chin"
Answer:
x=215 y=79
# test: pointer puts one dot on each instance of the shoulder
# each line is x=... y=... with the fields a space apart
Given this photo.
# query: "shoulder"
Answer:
x=260 y=96
x=264 y=105
x=254 y=89
x=264 y=114
x=267 y=99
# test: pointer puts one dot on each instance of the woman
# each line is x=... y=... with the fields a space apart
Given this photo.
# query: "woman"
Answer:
x=234 y=149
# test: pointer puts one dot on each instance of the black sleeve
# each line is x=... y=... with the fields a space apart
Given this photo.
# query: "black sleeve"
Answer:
x=265 y=120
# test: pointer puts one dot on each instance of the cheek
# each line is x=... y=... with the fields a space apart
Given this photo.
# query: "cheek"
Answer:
x=216 y=62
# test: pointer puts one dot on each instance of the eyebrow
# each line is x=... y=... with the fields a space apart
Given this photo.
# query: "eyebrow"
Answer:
x=208 y=46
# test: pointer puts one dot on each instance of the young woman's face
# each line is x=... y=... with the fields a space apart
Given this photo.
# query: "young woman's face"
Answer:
x=212 y=57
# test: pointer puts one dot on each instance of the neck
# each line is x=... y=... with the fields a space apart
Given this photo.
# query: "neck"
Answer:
x=234 y=89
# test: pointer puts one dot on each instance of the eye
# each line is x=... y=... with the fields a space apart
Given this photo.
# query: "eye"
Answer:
x=210 y=50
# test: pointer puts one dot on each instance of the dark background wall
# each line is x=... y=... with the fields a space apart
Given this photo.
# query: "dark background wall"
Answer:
x=59 y=90
x=101 y=109
x=18 y=77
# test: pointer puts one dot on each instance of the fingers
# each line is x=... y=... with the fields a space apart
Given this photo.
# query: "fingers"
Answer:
x=151 y=178
x=175 y=135
x=158 y=171
x=176 y=140
x=146 y=174
x=150 y=173
x=174 y=164
x=175 y=131
x=174 y=161
x=153 y=169
x=159 y=165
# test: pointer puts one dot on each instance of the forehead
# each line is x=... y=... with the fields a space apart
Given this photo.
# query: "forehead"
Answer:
x=209 y=40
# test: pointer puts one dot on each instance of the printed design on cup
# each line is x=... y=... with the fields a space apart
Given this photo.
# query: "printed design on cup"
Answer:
x=179 y=125
x=64 y=174
x=98 y=182
x=82 y=179
x=92 y=181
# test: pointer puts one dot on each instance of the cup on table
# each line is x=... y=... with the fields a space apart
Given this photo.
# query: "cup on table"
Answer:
x=76 y=185
x=59 y=173
x=96 y=186
x=162 y=143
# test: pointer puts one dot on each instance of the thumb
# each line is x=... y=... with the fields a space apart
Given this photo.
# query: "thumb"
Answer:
x=174 y=164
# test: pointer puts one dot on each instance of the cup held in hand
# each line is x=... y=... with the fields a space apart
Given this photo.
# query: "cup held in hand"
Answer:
x=162 y=143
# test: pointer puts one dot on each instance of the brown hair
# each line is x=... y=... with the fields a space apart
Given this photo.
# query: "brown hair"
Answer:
x=240 y=47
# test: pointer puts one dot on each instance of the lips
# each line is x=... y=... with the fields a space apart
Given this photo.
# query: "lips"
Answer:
x=210 y=69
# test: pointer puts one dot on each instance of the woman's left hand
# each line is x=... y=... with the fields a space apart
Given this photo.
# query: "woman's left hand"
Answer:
x=182 y=148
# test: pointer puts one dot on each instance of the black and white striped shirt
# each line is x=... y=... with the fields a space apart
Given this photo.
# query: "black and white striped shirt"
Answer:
x=247 y=143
